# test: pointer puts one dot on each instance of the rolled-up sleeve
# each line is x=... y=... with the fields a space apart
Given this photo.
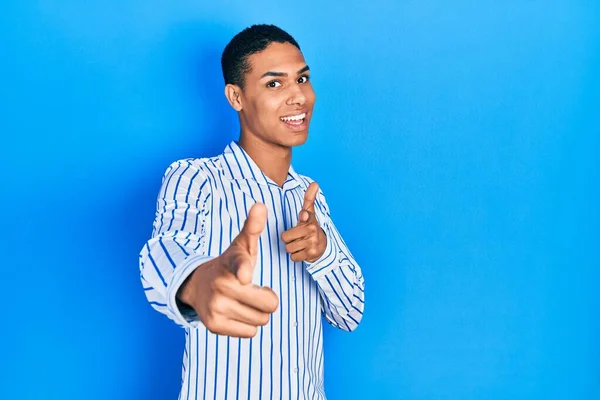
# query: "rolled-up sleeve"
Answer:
x=338 y=275
x=177 y=245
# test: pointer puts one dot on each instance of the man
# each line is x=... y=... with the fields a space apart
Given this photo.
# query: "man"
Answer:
x=244 y=254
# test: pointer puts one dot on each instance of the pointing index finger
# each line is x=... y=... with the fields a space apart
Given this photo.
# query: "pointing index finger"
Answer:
x=252 y=229
x=261 y=298
x=310 y=196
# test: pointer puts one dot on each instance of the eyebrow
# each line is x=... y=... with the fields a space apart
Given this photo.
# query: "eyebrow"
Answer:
x=272 y=73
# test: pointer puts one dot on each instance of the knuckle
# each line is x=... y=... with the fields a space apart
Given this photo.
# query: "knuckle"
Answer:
x=215 y=305
x=246 y=332
x=264 y=319
x=218 y=306
x=268 y=302
x=252 y=331
x=217 y=283
x=210 y=306
x=226 y=284
x=274 y=303
x=211 y=323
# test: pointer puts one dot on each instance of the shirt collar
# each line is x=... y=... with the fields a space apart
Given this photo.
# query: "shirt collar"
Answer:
x=239 y=165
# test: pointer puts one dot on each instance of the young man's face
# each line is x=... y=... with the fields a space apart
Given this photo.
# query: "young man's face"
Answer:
x=278 y=98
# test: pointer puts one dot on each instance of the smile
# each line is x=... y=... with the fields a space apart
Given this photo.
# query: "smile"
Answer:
x=294 y=119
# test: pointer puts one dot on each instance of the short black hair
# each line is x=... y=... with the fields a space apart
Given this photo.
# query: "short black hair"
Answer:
x=234 y=60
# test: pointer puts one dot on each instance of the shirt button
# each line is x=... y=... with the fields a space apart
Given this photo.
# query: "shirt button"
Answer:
x=295 y=370
x=295 y=324
x=293 y=279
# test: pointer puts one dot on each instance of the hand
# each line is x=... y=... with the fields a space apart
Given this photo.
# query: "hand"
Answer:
x=306 y=241
x=221 y=290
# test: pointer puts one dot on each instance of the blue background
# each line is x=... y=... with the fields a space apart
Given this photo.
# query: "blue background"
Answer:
x=458 y=145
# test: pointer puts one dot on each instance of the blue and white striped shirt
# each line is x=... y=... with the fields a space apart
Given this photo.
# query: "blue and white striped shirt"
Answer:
x=201 y=207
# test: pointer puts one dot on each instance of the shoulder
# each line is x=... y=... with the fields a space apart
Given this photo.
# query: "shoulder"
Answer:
x=196 y=170
x=306 y=180
x=190 y=179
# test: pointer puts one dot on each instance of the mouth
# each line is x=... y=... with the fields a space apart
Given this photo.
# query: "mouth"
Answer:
x=296 y=121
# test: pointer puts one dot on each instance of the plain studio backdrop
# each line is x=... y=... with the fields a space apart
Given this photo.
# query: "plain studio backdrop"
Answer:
x=457 y=142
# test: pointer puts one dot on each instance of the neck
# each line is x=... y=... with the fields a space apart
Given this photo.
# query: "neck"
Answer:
x=274 y=161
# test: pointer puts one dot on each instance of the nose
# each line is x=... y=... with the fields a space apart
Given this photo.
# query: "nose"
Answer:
x=296 y=96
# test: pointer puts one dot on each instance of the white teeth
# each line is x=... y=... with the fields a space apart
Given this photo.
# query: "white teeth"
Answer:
x=294 y=117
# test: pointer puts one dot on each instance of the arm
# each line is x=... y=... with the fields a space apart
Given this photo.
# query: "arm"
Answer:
x=177 y=246
x=179 y=279
x=339 y=278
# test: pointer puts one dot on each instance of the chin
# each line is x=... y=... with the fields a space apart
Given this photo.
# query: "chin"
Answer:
x=297 y=139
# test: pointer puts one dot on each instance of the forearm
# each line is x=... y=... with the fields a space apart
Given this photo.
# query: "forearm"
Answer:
x=340 y=282
x=165 y=263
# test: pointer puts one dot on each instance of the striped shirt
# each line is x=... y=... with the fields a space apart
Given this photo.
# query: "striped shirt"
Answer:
x=201 y=207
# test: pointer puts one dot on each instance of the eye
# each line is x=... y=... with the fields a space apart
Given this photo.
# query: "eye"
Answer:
x=273 y=84
x=303 y=79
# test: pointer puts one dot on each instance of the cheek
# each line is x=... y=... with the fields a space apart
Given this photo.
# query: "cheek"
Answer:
x=309 y=93
x=268 y=109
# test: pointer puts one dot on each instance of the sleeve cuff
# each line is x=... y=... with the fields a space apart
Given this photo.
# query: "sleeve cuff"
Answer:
x=326 y=262
x=182 y=316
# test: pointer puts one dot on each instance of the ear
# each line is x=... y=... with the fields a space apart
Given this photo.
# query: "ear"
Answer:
x=234 y=96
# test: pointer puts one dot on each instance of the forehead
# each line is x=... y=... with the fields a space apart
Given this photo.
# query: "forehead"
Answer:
x=277 y=57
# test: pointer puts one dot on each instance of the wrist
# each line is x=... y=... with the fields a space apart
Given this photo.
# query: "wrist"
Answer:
x=185 y=294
